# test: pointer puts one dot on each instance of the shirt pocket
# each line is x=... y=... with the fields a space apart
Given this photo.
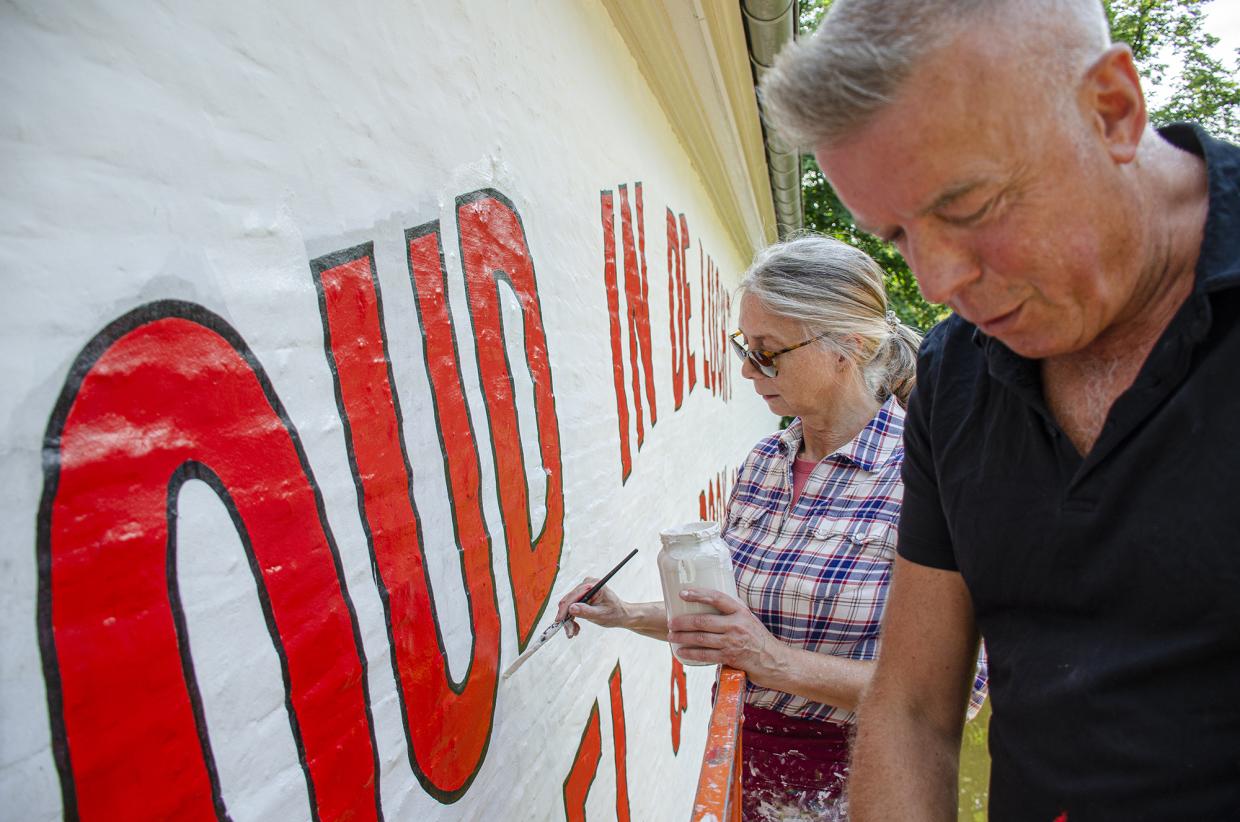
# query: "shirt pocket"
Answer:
x=862 y=553
x=750 y=530
x=818 y=559
x=751 y=522
x=872 y=540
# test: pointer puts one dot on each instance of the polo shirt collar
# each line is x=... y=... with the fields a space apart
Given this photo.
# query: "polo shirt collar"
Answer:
x=873 y=447
x=1218 y=266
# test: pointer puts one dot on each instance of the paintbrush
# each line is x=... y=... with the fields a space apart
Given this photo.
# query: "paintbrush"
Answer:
x=554 y=627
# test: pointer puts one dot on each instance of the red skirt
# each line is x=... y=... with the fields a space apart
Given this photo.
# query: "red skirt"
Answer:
x=792 y=768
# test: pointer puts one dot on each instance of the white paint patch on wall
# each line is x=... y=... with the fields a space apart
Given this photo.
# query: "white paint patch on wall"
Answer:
x=208 y=152
x=251 y=741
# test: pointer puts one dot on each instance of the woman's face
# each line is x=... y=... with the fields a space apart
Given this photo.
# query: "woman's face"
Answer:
x=809 y=379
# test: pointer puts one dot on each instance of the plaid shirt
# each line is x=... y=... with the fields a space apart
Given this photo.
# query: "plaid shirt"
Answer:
x=816 y=573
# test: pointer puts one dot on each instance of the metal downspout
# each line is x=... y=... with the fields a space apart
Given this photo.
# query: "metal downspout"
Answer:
x=769 y=25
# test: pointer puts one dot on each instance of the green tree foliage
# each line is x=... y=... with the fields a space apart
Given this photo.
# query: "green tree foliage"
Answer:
x=1168 y=40
x=824 y=214
x=1202 y=89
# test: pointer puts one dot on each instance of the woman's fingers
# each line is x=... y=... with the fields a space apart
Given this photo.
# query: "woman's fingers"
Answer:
x=708 y=623
x=706 y=655
x=720 y=601
x=577 y=593
x=561 y=611
x=732 y=639
x=698 y=639
x=594 y=613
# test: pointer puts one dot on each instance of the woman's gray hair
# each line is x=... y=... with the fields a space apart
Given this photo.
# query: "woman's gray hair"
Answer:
x=823 y=88
x=832 y=288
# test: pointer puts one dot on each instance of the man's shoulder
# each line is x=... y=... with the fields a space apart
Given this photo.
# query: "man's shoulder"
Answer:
x=1220 y=247
x=954 y=343
x=953 y=372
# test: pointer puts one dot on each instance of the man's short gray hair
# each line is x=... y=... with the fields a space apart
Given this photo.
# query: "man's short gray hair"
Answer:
x=825 y=87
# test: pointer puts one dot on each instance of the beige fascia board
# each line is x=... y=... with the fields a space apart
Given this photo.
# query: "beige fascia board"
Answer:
x=727 y=30
x=693 y=56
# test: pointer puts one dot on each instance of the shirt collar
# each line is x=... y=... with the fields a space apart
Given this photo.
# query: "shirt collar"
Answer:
x=1218 y=265
x=873 y=447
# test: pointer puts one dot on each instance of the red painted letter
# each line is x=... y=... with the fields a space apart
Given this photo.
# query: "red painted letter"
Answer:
x=637 y=306
x=620 y=746
x=493 y=247
x=613 y=318
x=165 y=394
x=675 y=310
x=585 y=766
x=679 y=699
x=448 y=724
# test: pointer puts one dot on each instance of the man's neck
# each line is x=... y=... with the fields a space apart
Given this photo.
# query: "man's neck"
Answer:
x=1175 y=202
x=1081 y=386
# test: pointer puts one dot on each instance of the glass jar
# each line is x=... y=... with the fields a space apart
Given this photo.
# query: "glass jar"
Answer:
x=694 y=555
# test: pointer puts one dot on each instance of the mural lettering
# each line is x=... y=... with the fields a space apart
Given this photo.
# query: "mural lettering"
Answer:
x=633 y=320
x=716 y=314
x=171 y=393
x=713 y=500
x=619 y=745
x=448 y=741
x=684 y=364
x=585 y=766
x=163 y=395
x=679 y=702
x=637 y=315
x=589 y=752
x=493 y=248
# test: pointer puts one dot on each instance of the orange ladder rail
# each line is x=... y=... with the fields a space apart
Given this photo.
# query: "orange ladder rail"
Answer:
x=719 y=785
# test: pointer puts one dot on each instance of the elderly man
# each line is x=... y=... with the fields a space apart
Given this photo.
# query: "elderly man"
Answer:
x=1074 y=440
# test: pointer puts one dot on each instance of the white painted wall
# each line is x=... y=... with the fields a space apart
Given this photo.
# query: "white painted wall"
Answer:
x=206 y=152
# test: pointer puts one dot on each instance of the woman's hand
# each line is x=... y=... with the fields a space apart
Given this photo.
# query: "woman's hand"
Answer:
x=606 y=609
x=732 y=637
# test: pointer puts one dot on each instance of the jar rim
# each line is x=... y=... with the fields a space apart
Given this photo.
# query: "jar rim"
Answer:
x=689 y=532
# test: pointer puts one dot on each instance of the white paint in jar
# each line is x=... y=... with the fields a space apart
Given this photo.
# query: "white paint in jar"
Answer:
x=694 y=555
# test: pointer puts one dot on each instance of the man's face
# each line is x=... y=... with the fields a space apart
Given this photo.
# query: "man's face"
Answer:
x=1006 y=206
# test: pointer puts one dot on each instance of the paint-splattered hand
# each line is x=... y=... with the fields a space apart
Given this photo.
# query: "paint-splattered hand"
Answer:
x=732 y=637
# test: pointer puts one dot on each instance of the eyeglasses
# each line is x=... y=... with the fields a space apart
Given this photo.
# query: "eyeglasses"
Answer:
x=764 y=361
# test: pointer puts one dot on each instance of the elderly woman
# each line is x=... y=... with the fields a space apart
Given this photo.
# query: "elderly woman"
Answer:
x=811 y=521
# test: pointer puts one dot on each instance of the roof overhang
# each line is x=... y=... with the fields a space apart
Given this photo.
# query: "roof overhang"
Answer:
x=695 y=57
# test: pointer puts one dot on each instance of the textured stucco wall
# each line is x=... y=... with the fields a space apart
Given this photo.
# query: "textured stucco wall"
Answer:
x=207 y=208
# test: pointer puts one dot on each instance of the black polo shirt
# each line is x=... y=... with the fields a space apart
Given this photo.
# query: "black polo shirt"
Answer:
x=1107 y=588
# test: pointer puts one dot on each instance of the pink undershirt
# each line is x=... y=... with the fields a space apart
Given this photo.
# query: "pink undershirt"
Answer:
x=801 y=469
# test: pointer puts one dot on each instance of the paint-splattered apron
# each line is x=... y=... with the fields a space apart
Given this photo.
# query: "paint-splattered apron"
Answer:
x=793 y=769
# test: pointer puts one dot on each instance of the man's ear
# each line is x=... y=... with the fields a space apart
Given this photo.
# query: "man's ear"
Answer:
x=1111 y=94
